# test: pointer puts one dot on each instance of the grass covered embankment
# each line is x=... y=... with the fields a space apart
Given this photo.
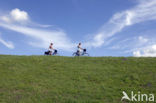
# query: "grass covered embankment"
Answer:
x=47 y=79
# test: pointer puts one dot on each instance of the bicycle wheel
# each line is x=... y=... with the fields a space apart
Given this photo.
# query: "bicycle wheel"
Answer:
x=75 y=54
x=55 y=54
x=85 y=54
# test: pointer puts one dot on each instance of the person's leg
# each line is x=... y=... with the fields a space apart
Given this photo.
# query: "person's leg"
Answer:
x=79 y=53
x=50 y=53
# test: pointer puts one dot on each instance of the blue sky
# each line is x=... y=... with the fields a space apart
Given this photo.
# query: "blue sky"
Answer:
x=104 y=27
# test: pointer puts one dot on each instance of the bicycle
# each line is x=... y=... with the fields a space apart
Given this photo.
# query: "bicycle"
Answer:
x=55 y=53
x=84 y=53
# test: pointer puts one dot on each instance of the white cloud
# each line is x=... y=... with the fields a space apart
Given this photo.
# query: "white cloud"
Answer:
x=137 y=53
x=41 y=36
x=19 y=15
x=7 y=43
x=143 y=39
x=149 y=51
x=138 y=46
x=98 y=40
x=15 y=15
x=145 y=10
x=5 y=19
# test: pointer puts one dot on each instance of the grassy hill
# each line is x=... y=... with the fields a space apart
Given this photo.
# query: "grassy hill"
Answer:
x=47 y=79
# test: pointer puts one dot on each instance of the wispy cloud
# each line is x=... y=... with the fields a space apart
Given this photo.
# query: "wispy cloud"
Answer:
x=19 y=21
x=145 y=10
x=145 y=47
x=7 y=43
x=42 y=37
x=16 y=21
x=149 y=51
x=138 y=46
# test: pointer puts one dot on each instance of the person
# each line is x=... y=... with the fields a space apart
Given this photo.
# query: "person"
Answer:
x=51 y=49
x=79 y=49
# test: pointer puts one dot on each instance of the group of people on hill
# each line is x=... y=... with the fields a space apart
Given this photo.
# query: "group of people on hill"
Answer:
x=51 y=49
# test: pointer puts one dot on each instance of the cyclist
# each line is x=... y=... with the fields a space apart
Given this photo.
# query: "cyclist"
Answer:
x=51 y=49
x=79 y=49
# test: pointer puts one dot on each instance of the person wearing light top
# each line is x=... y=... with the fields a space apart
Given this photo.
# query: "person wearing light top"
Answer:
x=79 y=49
x=51 y=49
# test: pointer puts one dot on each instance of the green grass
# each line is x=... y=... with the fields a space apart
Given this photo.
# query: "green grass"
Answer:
x=47 y=79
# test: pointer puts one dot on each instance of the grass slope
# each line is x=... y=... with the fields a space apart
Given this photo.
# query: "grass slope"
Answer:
x=47 y=79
